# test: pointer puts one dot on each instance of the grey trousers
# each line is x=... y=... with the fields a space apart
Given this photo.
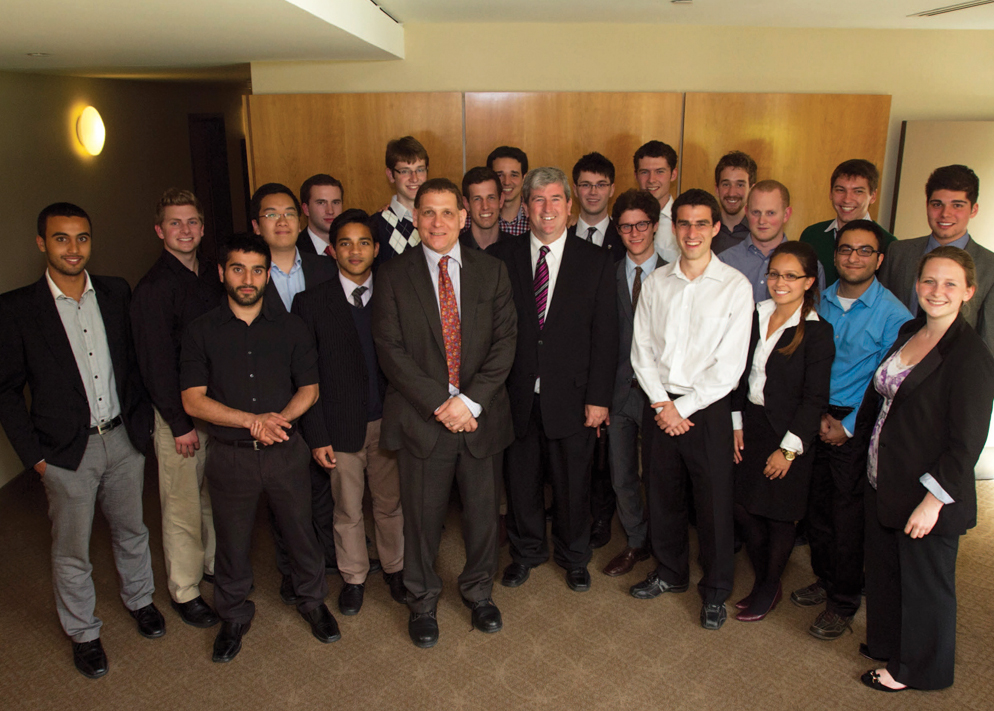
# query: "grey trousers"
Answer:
x=111 y=474
x=624 y=434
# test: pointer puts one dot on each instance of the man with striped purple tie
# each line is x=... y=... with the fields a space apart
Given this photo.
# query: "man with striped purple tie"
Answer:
x=562 y=380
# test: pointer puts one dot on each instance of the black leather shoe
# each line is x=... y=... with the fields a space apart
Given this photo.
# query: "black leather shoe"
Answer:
x=287 y=594
x=196 y=612
x=713 y=616
x=151 y=624
x=578 y=579
x=515 y=574
x=323 y=625
x=423 y=628
x=395 y=581
x=600 y=533
x=375 y=566
x=652 y=587
x=89 y=658
x=228 y=642
x=486 y=616
x=350 y=599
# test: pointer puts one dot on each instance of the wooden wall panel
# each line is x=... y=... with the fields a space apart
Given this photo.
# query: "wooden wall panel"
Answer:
x=294 y=136
x=557 y=128
x=797 y=139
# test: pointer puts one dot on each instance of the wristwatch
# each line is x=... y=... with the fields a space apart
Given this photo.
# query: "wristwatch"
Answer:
x=787 y=454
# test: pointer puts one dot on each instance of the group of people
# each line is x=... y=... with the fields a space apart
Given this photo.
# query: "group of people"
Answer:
x=844 y=380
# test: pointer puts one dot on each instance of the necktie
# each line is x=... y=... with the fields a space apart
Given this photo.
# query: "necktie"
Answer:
x=450 y=321
x=541 y=286
x=636 y=287
x=329 y=252
x=591 y=231
x=357 y=295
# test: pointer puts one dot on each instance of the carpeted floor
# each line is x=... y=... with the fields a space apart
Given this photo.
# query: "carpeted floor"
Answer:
x=559 y=649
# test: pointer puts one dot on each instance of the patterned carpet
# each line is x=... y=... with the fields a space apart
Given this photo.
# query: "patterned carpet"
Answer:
x=559 y=649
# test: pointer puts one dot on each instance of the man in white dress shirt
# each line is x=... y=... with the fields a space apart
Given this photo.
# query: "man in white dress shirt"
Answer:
x=321 y=199
x=689 y=349
x=655 y=171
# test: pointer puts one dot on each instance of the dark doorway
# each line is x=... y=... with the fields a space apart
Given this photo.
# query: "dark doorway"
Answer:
x=211 y=183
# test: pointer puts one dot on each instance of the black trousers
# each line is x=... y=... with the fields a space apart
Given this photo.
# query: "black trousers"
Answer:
x=835 y=526
x=603 y=500
x=910 y=602
x=323 y=514
x=425 y=486
x=237 y=477
x=567 y=462
x=702 y=459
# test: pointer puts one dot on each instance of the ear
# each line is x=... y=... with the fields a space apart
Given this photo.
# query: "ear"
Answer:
x=465 y=204
x=390 y=176
x=500 y=199
x=610 y=193
x=787 y=213
x=462 y=219
x=873 y=197
x=973 y=212
x=970 y=291
x=376 y=250
x=674 y=174
x=220 y=273
x=255 y=227
x=158 y=231
x=303 y=209
x=40 y=241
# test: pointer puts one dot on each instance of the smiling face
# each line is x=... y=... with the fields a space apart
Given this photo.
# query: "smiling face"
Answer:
x=949 y=213
x=406 y=178
x=783 y=291
x=733 y=189
x=656 y=176
x=942 y=288
x=636 y=243
x=548 y=212
x=181 y=229
x=854 y=269
x=278 y=221
x=851 y=198
x=355 y=250
x=484 y=203
x=245 y=277
x=767 y=216
x=66 y=244
x=324 y=206
x=511 y=177
x=439 y=218
x=593 y=191
x=694 y=230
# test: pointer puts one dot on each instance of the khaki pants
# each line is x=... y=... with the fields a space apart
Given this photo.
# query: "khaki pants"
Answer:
x=187 y=522
x=347 y=487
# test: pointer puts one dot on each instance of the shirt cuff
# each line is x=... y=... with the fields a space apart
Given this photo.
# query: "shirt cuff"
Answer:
x=929 y=482
x=846 y=430
x=473 y=407
x=736 y=420
x=792 y=442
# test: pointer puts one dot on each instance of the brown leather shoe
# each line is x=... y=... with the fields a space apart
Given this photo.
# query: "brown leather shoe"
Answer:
x=623 y=563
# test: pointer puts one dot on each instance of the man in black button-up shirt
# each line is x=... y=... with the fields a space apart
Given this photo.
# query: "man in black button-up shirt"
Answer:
x=250 y=370
x=179 y=287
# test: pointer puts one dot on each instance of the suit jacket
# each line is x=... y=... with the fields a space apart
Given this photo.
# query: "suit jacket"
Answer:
x=339 y=418
x=576 y=353
x=317 y=270
x=797 y=386
x=612 y=241
x=34 y=349
x=304 y=243
x=626 y=329
x=899 y=272
x=407 y=329
x=938 y=423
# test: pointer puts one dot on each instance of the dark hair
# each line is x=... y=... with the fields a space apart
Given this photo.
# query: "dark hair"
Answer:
x=352 y=216
x=60 y=209
x=477 y=175
x=594 y=163
x=695 y=197
x=769 y=186
x=805 y=254
x=960 y=256
x=655 y=149
x=407 y=149
x=634 y=199
x=508 y=152
x=438 y=185
x=858 y=168
x=243 y=242
x=954 y=177
x=316 y=180
x=265 y=191
x=866 y=226
x=736 y=159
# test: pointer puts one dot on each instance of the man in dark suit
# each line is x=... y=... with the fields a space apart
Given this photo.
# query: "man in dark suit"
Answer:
x=562 y=380
x=321 y=200
x=68 y=337
x=951 y=193
x=444 y=325
x=276 y=218
x=636 y=214
x=343 y=430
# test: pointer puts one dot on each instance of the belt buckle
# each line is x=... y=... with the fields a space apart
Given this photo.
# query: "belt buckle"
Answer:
x=105 y=427
x=257 y=445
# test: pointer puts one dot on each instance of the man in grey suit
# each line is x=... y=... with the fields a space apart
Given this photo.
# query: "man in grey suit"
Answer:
x=951 y=193
x=636 y=216
x=444 y=325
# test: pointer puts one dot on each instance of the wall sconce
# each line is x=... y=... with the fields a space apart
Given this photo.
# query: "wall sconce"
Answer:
x=90 y=131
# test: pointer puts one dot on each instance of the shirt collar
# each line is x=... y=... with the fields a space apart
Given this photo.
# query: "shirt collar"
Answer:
x=751 y=244
x=348 y=286
x=315 y=237
x=834 y=224
x=647 y=266
x=434 y=257
x=667 y=211
x=868 y=297
x=555 y=248
x=296 y=263
x=768 y=306
x=933 y=243
x=400 y=211
x=582 y=227
x=714 y=270
x=57 y=292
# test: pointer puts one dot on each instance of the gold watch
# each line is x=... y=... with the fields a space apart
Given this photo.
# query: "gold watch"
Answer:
x=787 y=454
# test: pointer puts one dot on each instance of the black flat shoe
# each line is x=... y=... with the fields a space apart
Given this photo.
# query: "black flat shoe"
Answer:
x=89 y=658
x=323 y=624
x=652 y=587
x=350 y=599
x=287 y=594
x=578 y=579
x=151 y=624
x=228 y=642
x=515 y=574
x=196 y=612
x=486 y=616
x=872 y=680
x=423 y=629
x=395 y=581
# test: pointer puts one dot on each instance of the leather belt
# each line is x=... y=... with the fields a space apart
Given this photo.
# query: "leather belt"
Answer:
x=250 y=443
x=105 y=427
x=839 y=412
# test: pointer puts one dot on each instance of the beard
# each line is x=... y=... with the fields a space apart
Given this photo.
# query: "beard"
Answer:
x=244 y=299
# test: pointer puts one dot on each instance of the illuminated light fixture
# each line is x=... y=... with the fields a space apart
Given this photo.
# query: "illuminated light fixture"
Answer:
x=90 y=131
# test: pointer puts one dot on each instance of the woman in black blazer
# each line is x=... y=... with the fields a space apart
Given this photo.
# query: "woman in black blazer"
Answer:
x=777 y=413
x=924 y=419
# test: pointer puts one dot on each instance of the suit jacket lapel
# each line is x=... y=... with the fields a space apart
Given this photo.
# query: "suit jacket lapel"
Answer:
x=562 y=284
x=625 y=296
x=50 y=324
x=469 y=291
x=341 y=315
x=421 y=281
x=929 y=363
x=523 y=270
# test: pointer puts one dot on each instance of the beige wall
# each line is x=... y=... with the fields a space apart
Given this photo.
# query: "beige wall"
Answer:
x=147 y=151
x=930 y=74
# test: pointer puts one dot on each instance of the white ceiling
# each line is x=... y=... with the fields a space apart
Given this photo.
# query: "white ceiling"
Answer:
x=209 y=38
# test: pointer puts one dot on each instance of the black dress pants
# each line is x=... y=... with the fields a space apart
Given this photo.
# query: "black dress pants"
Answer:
x=323 y=514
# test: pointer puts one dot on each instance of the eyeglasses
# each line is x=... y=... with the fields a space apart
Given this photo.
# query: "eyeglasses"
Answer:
x=844 y=250
x=639 y=226
x=288 y=215
x=773 y=277
x=602 y=185
x=407 y=172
